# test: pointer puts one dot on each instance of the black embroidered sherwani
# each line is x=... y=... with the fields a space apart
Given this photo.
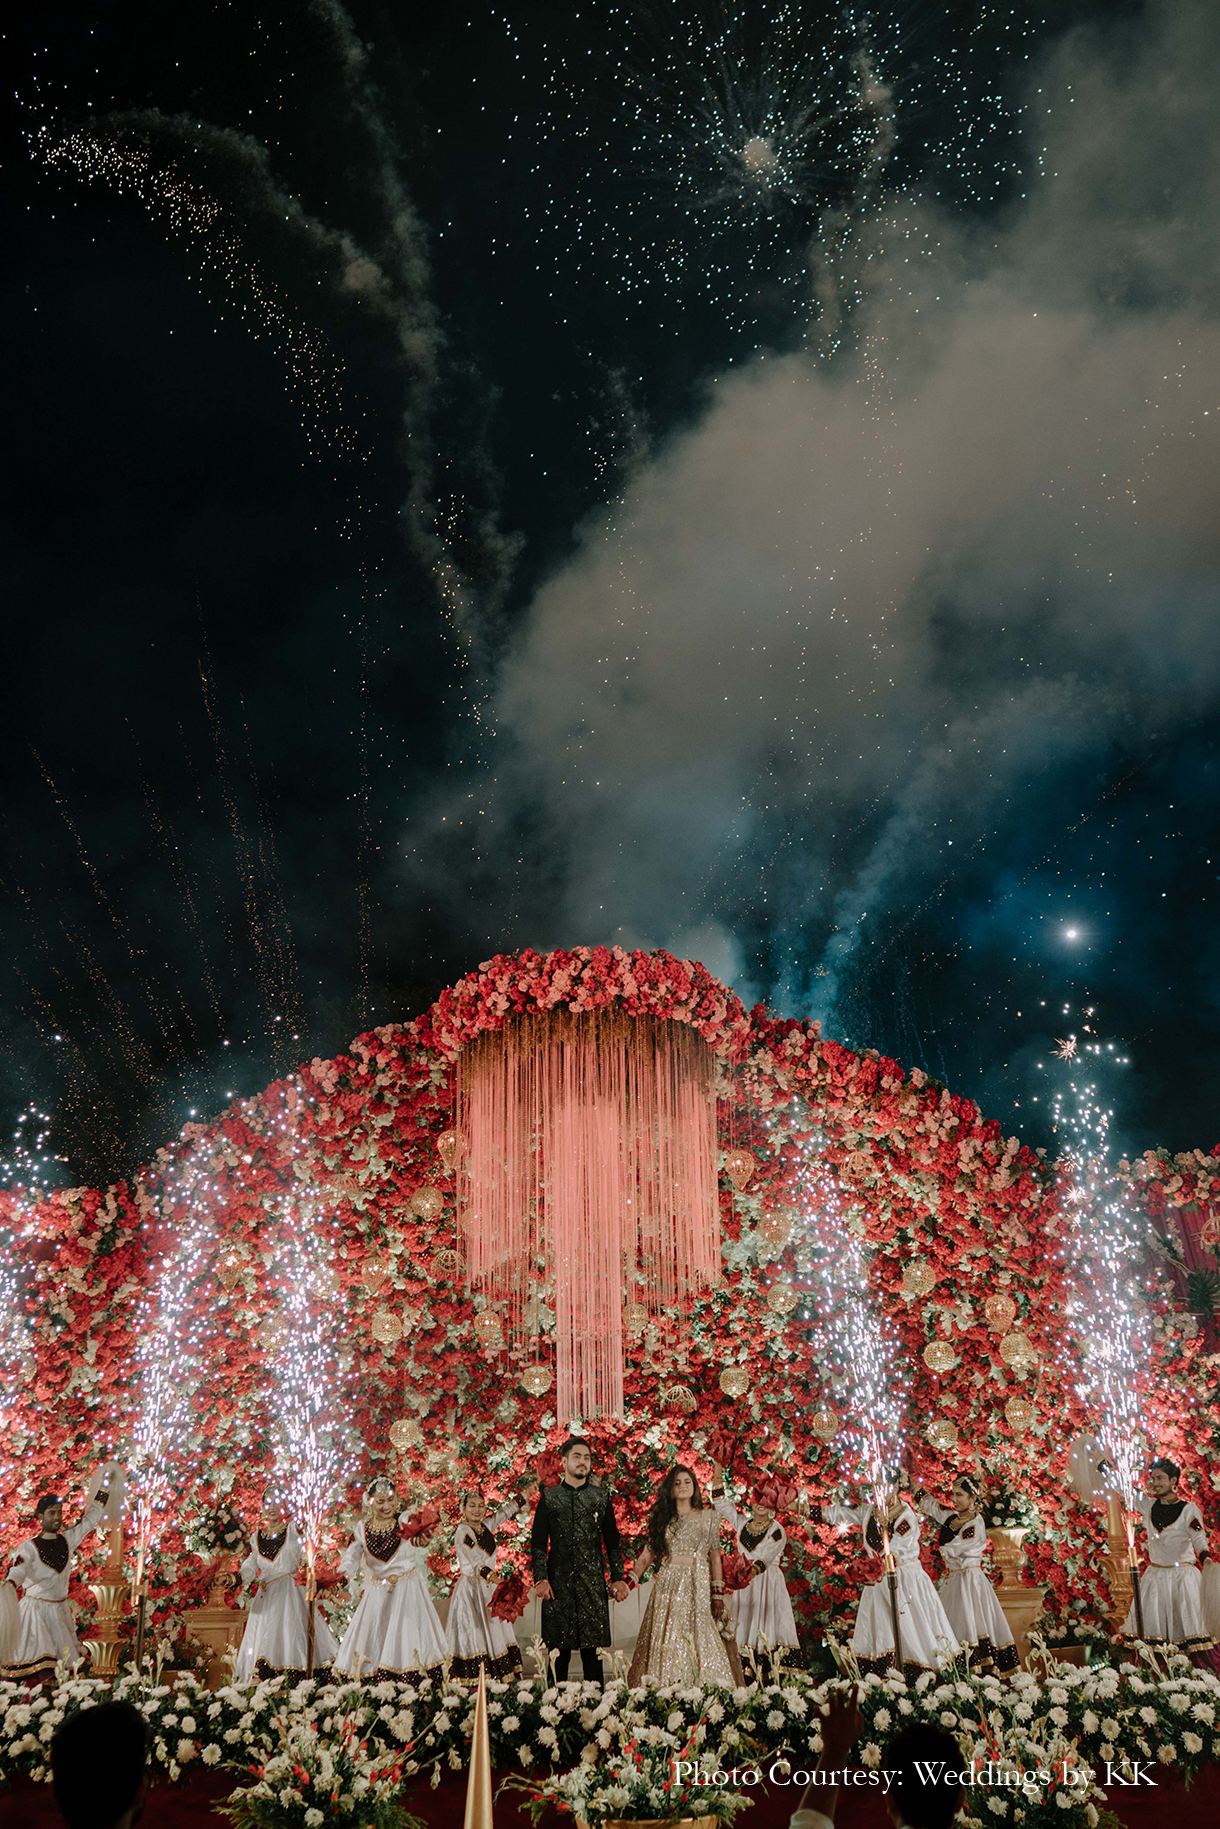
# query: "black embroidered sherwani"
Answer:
x=574 y=1536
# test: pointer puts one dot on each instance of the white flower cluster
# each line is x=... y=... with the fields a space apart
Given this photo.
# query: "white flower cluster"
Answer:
x=1165 y=1715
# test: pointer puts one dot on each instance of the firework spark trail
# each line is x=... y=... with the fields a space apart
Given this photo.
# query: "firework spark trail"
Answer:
x=315 y=1445
x=270 y=930
x=1108 y=1348
x=171 y=1330
x=857 y=1355
x=118 y=154
x=28 y=1169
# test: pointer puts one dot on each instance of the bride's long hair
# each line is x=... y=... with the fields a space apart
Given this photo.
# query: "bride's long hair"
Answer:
x=665 y=1508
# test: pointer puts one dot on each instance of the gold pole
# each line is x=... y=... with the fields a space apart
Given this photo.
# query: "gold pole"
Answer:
x=109 y=1592
x=478 y=1785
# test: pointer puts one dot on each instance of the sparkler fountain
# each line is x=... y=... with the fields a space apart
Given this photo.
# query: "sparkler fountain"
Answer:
x=169 y=1361
x=1109 y=1336
x=314 y=1440
x=859 y=1359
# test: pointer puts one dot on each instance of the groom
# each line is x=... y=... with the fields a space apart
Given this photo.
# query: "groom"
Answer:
x=573 y=1523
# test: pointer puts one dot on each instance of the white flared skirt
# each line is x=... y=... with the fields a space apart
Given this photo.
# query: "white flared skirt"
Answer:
x=45 y=1637
x=1173 y=1606
x=973 y=1609
x=276 y=1632
x=763 y=1612
x=472 y=1633
x=394 y=1628
x=927 y=1637
x=1211 y=1599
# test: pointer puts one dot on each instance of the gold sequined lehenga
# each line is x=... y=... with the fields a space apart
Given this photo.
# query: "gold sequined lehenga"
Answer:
x=680 y=1641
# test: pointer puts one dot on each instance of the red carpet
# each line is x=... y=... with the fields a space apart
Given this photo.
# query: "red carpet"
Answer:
x=189 y=1806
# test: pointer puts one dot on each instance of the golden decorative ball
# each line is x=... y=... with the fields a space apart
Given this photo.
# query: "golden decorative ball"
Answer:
x=635 y=1318
x=427 y=1203
x=270 y=1335
x=373 y=1273
x=447 y=1145
x=782 y=1298
x=918 y=1278
x=229 y=1270
x=446 y=1261
x=824 y=1423
x=735 y=1381
x=1000 y=1310
x=679 y=1399
x=487 y=1328
x=1019 y=1412
x=942 y=1434
x=1016 y=1351
x=537 y=1380
x=739 y=1166
x=775 y=1227
x=938 y=1356
x=406 y=1433
x=385 y=1327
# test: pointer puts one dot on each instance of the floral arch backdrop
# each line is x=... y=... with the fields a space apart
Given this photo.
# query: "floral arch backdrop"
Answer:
x=923 y=1175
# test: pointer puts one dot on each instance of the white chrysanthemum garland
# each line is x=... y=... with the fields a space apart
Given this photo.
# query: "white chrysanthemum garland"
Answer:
x=1168 y=1720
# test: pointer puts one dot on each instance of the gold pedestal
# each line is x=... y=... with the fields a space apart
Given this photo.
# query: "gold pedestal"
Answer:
x=217 y=1626
x=106 y=1646
x=1118 y=1565
x=1019 y=1604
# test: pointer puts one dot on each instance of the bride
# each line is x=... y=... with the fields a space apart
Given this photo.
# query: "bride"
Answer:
x=686 y=1635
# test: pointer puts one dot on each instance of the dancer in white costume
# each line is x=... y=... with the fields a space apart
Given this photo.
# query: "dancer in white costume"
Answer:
x=44 y=1634
x=761 y=1610
x=473 y=1635
x=395 y=1630
x=1171 y=1583
x=277 y=1627
x=928 y=1642
x=966 y=1594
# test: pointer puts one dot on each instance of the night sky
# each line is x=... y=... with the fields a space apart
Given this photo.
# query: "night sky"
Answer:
x=734 y=478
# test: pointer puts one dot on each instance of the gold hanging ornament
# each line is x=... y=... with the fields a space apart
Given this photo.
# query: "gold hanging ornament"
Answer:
x=446 y=1262
x=782 y=1298
x=385 y=1327
x=824 y=1423
x=918 y=1278
x=537 y=1380
x=735 y=1381
x=229 y=1269
x=739 y=1166
x=427 y=1203
x=635 y=1318
x=679 y=1400
x=938 y=1356
x=775 y=1227
x=487 y=1329
x=1000 y=1310
x=373 y=1273
x=406 y=1434
x=447 y=1145
x=1019 y=1413
x=942 y=1434
x=1016 y=1351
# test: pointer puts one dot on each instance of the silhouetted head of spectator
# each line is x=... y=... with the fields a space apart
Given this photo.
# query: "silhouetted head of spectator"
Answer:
x=98 y=1758
x=926 y=1763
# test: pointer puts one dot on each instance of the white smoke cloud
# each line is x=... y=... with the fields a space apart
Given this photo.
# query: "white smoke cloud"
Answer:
x=838 y=622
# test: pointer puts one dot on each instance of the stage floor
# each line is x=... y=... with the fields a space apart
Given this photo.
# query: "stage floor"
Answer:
x=189 y=1806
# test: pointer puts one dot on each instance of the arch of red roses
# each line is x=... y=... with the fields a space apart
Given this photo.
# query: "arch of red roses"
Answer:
x=929 y=1178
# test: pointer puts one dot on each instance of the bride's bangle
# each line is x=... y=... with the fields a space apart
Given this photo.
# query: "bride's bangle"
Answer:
x=717 y=1587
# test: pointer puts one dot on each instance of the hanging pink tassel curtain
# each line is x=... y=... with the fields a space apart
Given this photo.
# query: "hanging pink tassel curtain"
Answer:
x=588 y=1178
